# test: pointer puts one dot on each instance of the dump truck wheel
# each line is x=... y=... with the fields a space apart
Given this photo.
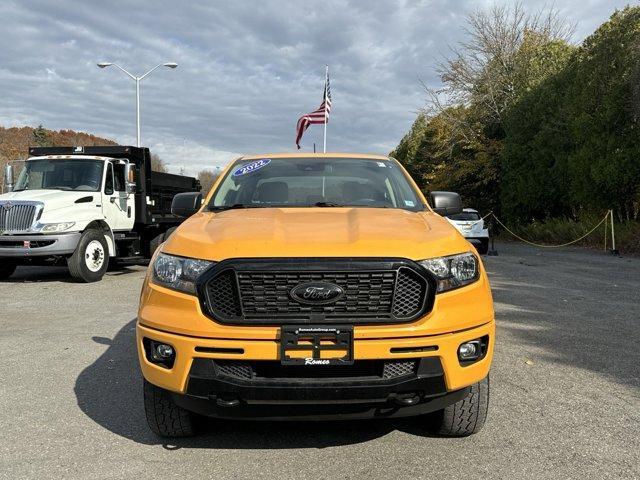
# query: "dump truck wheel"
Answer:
x=90 y=260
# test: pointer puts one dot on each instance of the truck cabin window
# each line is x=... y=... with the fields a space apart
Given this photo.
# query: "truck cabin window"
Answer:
x=118 y=177
x=108 y=181
x=320 y=182
x=76 y=175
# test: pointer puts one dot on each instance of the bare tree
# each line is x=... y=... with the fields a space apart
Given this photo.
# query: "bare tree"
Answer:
x=485 y=71
x=207 y=179
x=157 y=165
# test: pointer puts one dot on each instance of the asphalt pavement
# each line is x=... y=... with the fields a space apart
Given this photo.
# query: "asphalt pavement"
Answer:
x=565 y=388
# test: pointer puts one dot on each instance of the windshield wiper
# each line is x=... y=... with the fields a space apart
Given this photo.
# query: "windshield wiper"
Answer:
x=327 y=204
x=233 y=207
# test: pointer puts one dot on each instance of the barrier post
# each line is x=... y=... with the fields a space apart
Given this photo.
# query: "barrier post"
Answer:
x=492 y=251
x=606 y=231
x=614 y=250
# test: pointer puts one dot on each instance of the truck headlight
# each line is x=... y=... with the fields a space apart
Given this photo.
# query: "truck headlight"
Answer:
x=57 y=227
x=453 y=271
x=178 y=273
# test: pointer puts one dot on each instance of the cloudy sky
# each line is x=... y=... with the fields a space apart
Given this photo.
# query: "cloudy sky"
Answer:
x=247 y=69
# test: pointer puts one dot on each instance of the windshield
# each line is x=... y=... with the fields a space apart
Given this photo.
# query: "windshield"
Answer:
x=320 y=182
x=49 y=174
x=465 y=216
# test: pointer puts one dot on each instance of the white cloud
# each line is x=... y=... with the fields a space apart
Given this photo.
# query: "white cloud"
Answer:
x=247 y=70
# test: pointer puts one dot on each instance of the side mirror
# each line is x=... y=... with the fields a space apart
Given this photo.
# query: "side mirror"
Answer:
x=186 y=204
x=8 y=177
x=446 y=203
x=130 y=177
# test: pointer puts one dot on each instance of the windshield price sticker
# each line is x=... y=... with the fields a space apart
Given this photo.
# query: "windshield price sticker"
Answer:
x=252 y=167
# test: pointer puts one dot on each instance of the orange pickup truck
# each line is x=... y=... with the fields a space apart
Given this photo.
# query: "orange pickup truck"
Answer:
x=316 y=286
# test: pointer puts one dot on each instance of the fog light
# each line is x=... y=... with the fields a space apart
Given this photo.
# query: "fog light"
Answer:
x=159 y=353
x=473 y=350
x=469 y=350
x=164 y=351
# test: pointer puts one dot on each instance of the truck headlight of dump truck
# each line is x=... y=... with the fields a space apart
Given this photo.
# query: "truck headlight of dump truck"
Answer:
x=56 y=227
x=453 y=271
x=178 y=273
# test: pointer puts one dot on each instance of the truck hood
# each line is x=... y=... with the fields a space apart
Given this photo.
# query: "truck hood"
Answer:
x=315 y=232
x=52 y=199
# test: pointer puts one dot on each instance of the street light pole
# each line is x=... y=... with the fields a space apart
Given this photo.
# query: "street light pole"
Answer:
x=137 y=80
x=137 y=112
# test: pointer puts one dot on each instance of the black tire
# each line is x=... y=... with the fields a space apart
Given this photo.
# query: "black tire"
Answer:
x=168 y=233
x=84 y=253
x=164 y=417
x=155 y=243
x=7 y=268
x=467 y=416
x=483 y=248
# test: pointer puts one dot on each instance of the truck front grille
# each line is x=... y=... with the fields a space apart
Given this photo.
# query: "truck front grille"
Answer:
x=17 y=217
x=259 y=291
x=267 y=293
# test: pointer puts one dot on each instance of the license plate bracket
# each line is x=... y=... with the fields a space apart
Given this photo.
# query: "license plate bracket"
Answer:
x=314 y=342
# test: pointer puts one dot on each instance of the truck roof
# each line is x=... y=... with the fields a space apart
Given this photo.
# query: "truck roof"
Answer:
x=110 y=151
x=366 y=156
x=67 y=157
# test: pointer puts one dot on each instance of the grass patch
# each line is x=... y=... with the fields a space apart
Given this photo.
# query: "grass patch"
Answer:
x=556 y=231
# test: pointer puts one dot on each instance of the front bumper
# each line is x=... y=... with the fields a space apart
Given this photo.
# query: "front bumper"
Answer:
x=201 y=392
x=472 y=236
x=35 y=245
x=316 y=411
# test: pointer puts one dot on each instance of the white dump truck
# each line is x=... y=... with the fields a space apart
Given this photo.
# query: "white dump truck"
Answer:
x=84 y=207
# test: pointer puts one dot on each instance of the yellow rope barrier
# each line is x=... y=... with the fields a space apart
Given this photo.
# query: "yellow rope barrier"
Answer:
x=550 y=246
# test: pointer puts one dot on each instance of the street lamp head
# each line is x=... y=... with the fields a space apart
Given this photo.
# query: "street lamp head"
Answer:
x=170 y=64
x=104 y=64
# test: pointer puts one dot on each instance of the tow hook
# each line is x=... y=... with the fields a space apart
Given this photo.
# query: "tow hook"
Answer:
x=407 y=400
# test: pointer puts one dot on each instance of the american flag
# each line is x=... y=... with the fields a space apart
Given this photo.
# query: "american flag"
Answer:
x=318 y=116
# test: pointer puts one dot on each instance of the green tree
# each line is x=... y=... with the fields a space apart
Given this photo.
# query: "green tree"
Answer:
x=572 y=143
x=41 y=137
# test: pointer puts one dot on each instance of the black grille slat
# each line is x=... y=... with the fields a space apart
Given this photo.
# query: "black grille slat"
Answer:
x=259 y=291
x=240 y=370
x=224 y=297
x=409 y=293
x=274 y=289
x=398 y=368
x=258 y=370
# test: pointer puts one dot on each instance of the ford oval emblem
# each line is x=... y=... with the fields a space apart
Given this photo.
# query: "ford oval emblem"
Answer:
x=316 y=293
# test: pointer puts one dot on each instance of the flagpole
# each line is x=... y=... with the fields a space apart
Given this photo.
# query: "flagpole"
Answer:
x=326 y=79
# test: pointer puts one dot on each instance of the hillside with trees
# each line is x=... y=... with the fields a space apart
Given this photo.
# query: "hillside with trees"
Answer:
x=531 y=126
x=15 y=143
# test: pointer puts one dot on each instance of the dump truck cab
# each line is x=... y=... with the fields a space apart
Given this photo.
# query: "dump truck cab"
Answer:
x=315 y=286
x=84 y=205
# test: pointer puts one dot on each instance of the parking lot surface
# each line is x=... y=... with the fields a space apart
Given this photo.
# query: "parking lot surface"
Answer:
x=565 y=388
